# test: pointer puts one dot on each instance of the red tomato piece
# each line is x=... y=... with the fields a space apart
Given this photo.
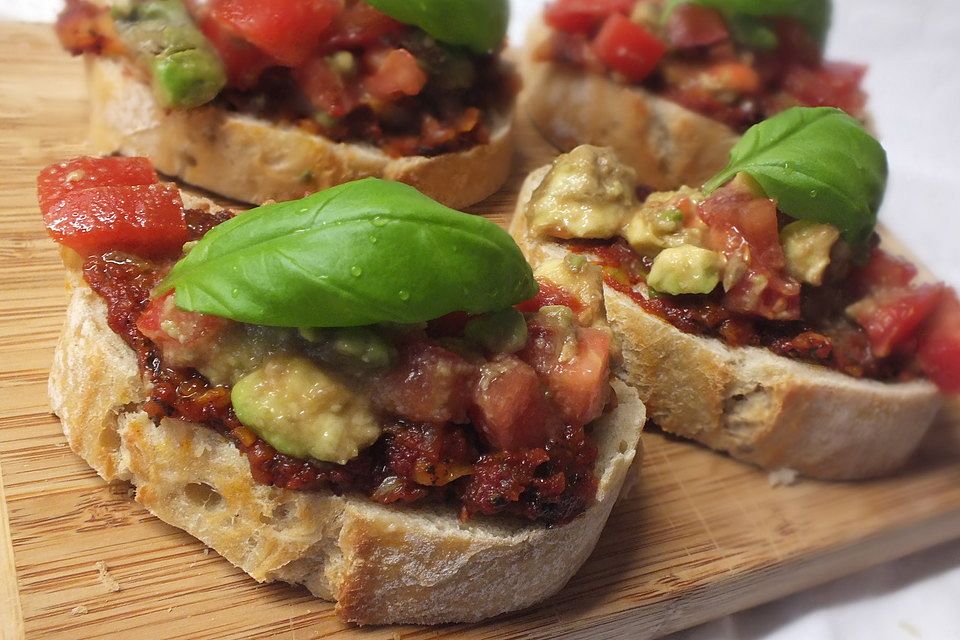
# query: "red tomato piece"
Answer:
x=243 y=61
x=146 y=220
x=882 y=271
x=397 y=74
x=183 y=337
x=583 y=16
x=428 y=384
x=626 y=47
x=832 y=84
x=939 y=350
x=743 y=227
x=358 y=25
x=326 y=89
x=550 y=294
x=893 y=317
x=581 y=386
x=691 y=26
x=287 y=30
x=510 y=407
x=86 y=172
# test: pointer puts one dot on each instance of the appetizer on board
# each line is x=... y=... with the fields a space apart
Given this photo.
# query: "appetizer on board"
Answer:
x=758 y=313
x=362 y=391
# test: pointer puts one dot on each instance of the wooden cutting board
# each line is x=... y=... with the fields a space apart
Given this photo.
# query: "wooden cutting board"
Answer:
x=701 y=535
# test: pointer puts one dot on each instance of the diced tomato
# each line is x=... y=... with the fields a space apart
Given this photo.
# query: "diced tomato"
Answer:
x=358 y=25
x=743 y=227
x=892 y=318
x=939 y=350
x=732 y=77
x=882 y=271
x=86 y=27
x=832 y=84
x=428 y=384
x=581 y=386
x=243 y=61
x=548 y=295
x=626 y=47
x=326 y=89
x=692 y=25
x=183 y=337
x=86 y=172
x=583 y=16
x=397 y=73
x=510 y=407
x=287 y=30
x=143 y=219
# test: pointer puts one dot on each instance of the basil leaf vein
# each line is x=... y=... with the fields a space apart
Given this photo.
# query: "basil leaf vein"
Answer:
x=818 y=164
x=361 y=253
x=480 y=25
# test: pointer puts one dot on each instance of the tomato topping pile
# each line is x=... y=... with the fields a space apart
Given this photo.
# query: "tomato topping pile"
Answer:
x=494 y=433
x=693 y=58
x=339 y=68
x=92 y=205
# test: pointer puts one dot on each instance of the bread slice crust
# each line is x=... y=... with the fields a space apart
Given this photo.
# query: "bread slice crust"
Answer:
x=761 y=408
x=254 y=160
x=381 y=564
x=665 y=143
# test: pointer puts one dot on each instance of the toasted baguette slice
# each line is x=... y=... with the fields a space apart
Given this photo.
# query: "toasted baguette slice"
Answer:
x=381 y=564
x=253 y=160
x=666 y=144
x=759 y=407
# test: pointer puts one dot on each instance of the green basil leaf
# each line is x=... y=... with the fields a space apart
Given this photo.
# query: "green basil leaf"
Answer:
x=818 y=164
x=480 y=25
x=360 y=253
x=812 y=14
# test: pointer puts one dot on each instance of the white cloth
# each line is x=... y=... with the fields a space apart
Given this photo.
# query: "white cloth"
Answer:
x=913 y=49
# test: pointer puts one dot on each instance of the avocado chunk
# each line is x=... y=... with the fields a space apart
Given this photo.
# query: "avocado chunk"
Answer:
x=502 y=331
x=807 y=247
x=185 y=70
x=659 y=223
x=686 y=269
x=302 y=411
x=587 y=193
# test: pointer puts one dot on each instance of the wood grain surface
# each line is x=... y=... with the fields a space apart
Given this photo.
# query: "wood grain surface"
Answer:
x=700 y=536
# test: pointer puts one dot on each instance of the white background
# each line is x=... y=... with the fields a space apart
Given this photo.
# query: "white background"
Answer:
x=913 y=49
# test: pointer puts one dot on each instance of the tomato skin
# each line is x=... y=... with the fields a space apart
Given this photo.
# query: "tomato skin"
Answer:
x=146 y=220
x=86 y=172
x=583 y=16
x=183 y=337
x=243 y=61
x=939 y=349
x=326 y=89
x=547 y=295
x=882 y=271
x=427 y=384
x=893 y=317
x=628 y=48
x=287 y=30
x=357 y=26
x=581 y=386
x=743 y=227
x=832 y=84
x=691 y=26
x=397 y=73
x=510 y=407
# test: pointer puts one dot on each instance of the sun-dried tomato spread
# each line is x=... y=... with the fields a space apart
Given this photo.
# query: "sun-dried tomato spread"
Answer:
x=491 y=413
x=337 y=68
x=731 y=266
x=735 y=69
